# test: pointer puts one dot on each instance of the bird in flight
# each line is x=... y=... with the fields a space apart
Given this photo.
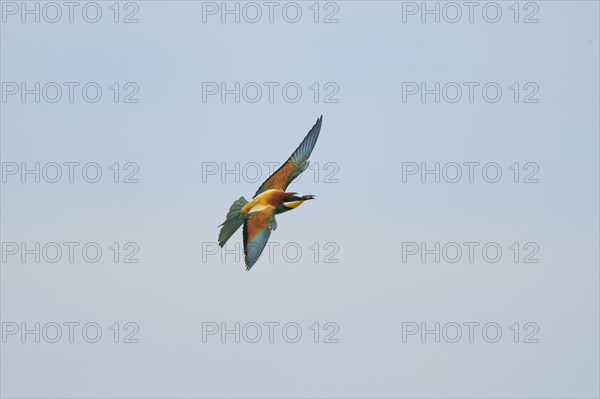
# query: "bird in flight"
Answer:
x=258 y=215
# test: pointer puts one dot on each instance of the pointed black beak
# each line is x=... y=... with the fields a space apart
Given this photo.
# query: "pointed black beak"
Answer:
x=308 y=197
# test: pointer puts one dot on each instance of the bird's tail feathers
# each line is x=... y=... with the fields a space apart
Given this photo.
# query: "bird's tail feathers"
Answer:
x=233 y=221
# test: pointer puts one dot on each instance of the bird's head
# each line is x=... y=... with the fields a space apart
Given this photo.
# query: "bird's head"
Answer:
x=292 y=197
x=294 y=200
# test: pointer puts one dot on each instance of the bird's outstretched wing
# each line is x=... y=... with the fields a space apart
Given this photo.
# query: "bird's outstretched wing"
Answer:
x=296 y=163
x=257 y=229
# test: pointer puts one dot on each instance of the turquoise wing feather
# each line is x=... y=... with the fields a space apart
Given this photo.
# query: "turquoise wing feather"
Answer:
x=296 y=163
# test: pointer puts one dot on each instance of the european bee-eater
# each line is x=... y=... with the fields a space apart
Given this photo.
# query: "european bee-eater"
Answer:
x=258 y=215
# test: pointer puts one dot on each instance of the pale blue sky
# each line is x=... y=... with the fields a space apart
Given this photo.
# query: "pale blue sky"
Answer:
x=368 y=214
